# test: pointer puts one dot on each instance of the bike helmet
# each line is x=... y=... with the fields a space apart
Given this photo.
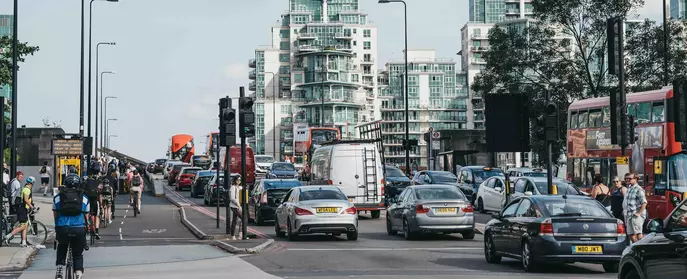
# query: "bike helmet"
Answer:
x=135 y=172
x=72 y=170
x=30 y=180
x=72 y=181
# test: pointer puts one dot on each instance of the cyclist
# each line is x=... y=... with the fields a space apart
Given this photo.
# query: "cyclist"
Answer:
x=23 y=210
x=106 y=197
x=92 y=192
x=136 y=182
x=114 y=182
x=70 y=209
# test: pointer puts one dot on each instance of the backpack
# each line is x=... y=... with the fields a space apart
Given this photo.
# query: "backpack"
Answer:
x=95 y=167
x=91 y=188
x=136 y=181
x=112 y=166
x=44 y=170
x=107 y=190
x=71 y=200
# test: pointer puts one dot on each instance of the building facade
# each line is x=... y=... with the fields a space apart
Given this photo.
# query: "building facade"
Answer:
x=6 y=27
x=678 y=9
x=437 y=98
x=319 y=71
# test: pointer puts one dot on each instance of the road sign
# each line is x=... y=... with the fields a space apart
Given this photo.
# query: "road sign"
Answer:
x=436 y=145
x=67 y=146
x=436 y=135
x=623 y=160
x=658 y=167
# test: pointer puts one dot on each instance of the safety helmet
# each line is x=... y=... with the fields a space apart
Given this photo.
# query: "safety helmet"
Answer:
x=30 y=180
x=72 y=181
x=72 y=170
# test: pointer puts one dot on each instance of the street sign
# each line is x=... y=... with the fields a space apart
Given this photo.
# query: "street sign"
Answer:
x=623 y=160
x=436 y=135
x=436 y=145
x=658 y=167
x=67 y=147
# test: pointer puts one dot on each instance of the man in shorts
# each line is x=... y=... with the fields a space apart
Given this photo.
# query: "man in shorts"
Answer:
x=23 y=210
x=635 y=207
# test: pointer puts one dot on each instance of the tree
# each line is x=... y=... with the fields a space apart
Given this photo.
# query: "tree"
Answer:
x=6 y=57
x=645 y=50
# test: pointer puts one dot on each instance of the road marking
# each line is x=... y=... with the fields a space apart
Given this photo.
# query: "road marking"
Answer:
x=122 y=223
x=164 y=239
x=154 y=231
x=120 y=234
x=383 y=249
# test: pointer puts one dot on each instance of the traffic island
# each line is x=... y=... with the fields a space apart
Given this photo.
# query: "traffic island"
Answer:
x=248 y=246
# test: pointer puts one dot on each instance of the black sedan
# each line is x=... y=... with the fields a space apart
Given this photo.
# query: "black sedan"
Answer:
x=266 y=197
x=395 y=182
x=661 y=253
x=555 y=229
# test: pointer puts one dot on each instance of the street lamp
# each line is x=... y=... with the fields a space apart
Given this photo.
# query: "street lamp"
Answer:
x=102 y=119
x=15 y=59
x=109 y=138
x=107 y=130
x=275 y=153
x=97 y=64
x=405 y=86
x=97 y=93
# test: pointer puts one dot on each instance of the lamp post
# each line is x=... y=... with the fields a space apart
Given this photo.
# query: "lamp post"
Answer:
x=107 y=130
x=665 y=43
x=108 y=139
x=405 y=86
x=97 y=65
x=97 y=94
x=275 y=153
x=15 y=59
x=104 y=116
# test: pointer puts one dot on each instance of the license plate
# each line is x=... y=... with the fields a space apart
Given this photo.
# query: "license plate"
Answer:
x=446 y=210
x=587 y=250
x=327 y=210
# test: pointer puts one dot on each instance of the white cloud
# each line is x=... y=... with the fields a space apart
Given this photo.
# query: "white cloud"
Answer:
x=203 y=107
x=236 y=70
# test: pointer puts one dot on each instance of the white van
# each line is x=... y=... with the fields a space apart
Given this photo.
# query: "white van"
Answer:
x=356 y=167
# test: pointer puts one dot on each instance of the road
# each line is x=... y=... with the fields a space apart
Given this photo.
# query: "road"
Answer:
x=378 y=255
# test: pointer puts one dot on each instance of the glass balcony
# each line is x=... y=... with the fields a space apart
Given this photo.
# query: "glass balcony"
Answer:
x=251 y=63
x=251 y=86
x=368 y=61
x=307 y=36
x=251 y=75
x=343 y=36
x=285 y=83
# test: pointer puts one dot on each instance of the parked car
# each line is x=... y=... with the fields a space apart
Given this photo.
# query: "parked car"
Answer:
x=202 y=178
x=431 y=209
x=262 y=202
x=434 y=177
x=282 y=170
x=160 y=165
x=492 y=194
x=316 y=209
x=543 y=229
x=186 y=177
x=175 y=172
x=660 y=254
x=395 y=182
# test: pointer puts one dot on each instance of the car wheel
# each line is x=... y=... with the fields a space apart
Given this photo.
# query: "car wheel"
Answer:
x=375 y=214
x=277 y=230
x=389 y=228
x=611 y=267
x=407 y=234
x=632 y=274
x=193 y=195
x=169 y=183
x=352 y=235
x=526 y=255
x=490 y=250
x=480 y=206
x=468 y=235
x=289 y=232
x=205 y=201
x=258 y=218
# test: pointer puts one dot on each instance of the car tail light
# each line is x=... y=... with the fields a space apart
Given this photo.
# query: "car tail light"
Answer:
x=468 y=208
x=350 y=210
x=330 y=182
x=421 y=209
x=301 y=211
x=620 y=228
x=546 y=228
x=214 y=186
x=263 y=199
x=382 y=194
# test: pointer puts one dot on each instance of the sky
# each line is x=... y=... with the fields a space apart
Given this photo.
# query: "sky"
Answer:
x=175 y=58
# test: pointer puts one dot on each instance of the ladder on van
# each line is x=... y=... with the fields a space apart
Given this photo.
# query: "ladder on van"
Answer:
x=370 y=174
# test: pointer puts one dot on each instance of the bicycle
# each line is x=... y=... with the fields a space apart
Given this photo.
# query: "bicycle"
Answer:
x=37 y=232
x=69 y=266
x=90 y=228
x=135 y=204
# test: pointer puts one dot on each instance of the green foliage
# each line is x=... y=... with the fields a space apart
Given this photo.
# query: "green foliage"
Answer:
x=6 y=57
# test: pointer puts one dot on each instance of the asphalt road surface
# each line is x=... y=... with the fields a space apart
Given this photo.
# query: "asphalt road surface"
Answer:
x=378 y=255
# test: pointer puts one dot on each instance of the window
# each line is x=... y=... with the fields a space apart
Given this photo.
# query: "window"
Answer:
x=367 y=33
x=658 y=113
x=573 y=120
x=476 y=43
x=510 y=210
x=490 y=183
x=606 y=117
x=582 y=120
x=525 y=209
x=643 y=113
x=595 y=118
x=284 y=46
x=284 y=33
x=520 y=185
x=367 y=45
x=284 y=57
x=632 y=110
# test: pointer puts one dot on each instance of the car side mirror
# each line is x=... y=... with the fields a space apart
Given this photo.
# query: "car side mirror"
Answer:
x=495 y=215
x=528 y=193
x=655 y=225
x=498 y=189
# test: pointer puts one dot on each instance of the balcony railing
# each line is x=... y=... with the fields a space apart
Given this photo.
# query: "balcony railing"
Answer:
x=251 y=86
x=479 y=36
x=368 y=61
x=343 y=36
x=307 y=36
x=251 y=63
x=285 y=83
x=251 y=74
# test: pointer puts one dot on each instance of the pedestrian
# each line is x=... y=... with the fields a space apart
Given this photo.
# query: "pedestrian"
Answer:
x=15 y=192
x=601 y=192
x=45 y=178
x=23 y=207
x=235 y=205
x=635 y=208
x=617 y=195
x=6 y=175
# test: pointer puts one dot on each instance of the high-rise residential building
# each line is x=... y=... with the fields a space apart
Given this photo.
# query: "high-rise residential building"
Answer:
x=6 y=27
x=319 y=71
x=437 y=98
x=678 y=9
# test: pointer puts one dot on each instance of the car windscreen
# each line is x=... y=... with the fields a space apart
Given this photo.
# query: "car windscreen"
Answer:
x=264 y=159
x=203 y=180
x=481 y=175
x=441 y=177
x=393 y=172
x=443 y=193
x=321 y=194
x=281 y=184
x=283 y=167
x=573 y=207
x=160 y=161
x=563 y=188
x=534 y=174
x=193 y=171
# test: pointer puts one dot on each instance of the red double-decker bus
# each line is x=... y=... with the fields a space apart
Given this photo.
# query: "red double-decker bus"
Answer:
x=656 y=156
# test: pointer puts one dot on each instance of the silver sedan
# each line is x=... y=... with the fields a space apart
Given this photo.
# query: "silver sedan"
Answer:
x=316 y=209
x=431 y=209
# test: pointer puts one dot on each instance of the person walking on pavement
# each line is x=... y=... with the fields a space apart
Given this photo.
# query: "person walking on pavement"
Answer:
x=70 y=209
x=235 y=205
x=45 y=178
x=635 y=208
x=15 y=192
x=617 y=196
x=23 y=209
x=135 y=182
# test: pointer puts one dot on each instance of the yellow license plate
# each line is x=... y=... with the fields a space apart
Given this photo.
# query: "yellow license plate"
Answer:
x=327 y=210
x=587 y=250
x=446 y=210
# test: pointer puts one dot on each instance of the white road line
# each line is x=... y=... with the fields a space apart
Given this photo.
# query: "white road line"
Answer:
x=122 y=223
x=120 y=234
x=384 y=249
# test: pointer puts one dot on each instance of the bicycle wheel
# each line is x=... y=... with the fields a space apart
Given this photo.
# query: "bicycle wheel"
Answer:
x=69 y=270
x=37 y=234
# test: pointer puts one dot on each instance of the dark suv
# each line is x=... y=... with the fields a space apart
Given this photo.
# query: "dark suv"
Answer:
x=470 y=177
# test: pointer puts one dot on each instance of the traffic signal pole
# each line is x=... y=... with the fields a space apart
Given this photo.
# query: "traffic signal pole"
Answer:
x=246 y=130
x=227 y=138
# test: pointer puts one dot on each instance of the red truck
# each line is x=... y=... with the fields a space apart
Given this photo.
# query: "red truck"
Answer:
x=235 y=155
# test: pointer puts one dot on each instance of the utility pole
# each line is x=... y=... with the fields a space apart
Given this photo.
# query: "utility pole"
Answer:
x=246 y=130
x=547 y=130
x=616 y=66
x=227 y=138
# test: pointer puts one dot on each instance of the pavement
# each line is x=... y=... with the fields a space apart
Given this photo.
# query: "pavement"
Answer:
x=15 y=258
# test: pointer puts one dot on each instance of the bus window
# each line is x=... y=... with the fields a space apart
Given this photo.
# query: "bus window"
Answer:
x=606 y=117
x=577 y=172
x=658 y=113
x=632 y=110
x=643 y=113
x=593 y=169
x=595 y=118
x=573 y=120
x=582 y=120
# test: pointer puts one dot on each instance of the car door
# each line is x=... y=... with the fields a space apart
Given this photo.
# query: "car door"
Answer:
x=667 y=258
x=486 y=191
x=529 y=187
x=519 y=188
x=281 y=211
x=501 y=232
x=519 y=223
x=499 y=194
x=395 y=212
x=408 y=206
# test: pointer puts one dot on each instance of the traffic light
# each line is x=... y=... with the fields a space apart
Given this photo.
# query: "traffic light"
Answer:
x=540 y=128
x=246 y=117
x=630 y=130
x=8 y=135
x=227 y=123
x=551 y=121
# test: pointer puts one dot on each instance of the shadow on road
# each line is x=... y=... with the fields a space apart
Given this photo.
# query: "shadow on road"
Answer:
x=510 y=265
